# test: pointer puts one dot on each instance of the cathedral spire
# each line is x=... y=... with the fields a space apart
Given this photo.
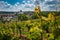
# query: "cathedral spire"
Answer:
x=37 y=6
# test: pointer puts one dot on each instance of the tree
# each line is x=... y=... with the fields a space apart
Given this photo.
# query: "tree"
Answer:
x=34 y=16
x=22 y=17
x=56 y=33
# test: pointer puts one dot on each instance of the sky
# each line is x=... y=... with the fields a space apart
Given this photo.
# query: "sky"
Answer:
x=29 y=5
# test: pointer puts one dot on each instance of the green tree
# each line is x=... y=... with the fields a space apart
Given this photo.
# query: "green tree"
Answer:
x=22 y=17
x=56 y=33
x=34 y=16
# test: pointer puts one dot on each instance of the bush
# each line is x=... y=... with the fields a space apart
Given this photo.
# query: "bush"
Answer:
x=34 y=16
x=22 y=17
x=56 y=33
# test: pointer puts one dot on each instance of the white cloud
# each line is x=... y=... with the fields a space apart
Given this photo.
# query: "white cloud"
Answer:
x=17 y=6
x=28 y=1
x=26 y=6
x=33 y=0
x=24 y=2
x=48 y=0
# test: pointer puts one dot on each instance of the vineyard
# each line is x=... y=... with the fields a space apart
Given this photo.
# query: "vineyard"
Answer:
x=30 y=29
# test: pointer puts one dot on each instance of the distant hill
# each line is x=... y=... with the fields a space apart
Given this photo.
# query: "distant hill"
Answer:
x=29 y=12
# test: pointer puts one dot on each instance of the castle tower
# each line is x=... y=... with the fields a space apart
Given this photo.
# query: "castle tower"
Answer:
x=37 y=7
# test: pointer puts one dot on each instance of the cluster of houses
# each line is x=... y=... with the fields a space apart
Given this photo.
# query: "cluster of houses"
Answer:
x=8 y=15
x=5 y=15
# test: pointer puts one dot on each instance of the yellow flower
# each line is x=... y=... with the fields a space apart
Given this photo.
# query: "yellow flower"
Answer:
x=51 y=16
x=28 y=21
x=34 y=29
x=51 y=36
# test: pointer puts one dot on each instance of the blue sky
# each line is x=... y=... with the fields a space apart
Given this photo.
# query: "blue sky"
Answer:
x=28 y=5
x=12 y=1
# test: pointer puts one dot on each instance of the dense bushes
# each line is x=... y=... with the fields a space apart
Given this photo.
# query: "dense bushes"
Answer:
x=34 y=16
x=29 y=29
x=32 y=30
x=22 y=17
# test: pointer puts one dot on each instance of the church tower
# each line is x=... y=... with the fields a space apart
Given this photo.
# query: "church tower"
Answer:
x=37 y=7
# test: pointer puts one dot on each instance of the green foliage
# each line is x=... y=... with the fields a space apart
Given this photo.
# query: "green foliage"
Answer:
x=45 y=26
x=22 y=17
x=30 y=29
x=34 y=16
x=45 y=14
x=56 y=33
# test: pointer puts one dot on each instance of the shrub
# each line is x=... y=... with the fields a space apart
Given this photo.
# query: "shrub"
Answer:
x=22 y=17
